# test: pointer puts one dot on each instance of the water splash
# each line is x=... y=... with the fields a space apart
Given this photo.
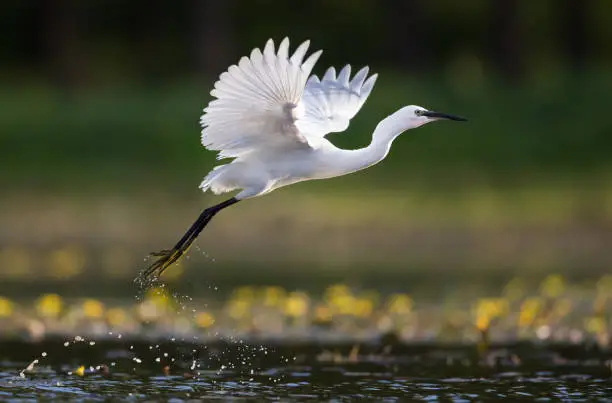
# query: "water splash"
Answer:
x=31 y=365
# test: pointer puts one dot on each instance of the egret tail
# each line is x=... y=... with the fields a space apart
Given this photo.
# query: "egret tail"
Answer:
x=168 y=256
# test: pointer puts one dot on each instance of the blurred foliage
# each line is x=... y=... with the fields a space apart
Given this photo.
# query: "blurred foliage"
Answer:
x=104 y=92
x=101 y=154
x=147 y=41
x=572 y=312
x=147 y=137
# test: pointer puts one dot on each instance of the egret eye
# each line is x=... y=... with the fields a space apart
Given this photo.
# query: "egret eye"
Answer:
x=419 y=112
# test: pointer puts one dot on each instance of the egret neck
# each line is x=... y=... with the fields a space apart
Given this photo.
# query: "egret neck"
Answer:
x=386 y=131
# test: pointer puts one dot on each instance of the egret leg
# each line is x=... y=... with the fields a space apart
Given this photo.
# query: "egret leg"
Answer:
x=168 y=256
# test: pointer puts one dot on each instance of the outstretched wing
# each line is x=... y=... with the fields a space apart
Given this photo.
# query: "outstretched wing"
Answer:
x=330 y=103
x=257 y=102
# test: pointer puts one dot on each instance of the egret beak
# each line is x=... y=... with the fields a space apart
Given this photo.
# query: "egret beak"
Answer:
x=440 y=115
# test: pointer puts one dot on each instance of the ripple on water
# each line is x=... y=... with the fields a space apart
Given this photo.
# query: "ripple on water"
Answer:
x=301 y=387
x=322 y=381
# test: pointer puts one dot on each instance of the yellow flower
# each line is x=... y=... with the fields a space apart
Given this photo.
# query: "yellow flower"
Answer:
x=238 y=308
x=322 y=313
x=93 y=308
x=273 y=296
x=595 y=325
x=6 y=307
x=530 y=308
x=363 y=307
x=204 y=319
x=335 y=291
x=400 y=304
x=296 y=304
x=552 y=286
x=49 y=305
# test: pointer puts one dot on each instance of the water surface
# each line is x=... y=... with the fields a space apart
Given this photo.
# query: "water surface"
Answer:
x=139 y=370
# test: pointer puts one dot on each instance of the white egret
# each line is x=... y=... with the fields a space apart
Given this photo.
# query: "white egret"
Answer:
x=271 y=116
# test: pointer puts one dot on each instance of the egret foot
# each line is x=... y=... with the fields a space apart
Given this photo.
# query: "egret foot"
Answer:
x=162 y=252
x=168 y=256
x=164 y=259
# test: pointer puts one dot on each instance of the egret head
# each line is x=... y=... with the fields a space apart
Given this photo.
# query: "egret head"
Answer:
x=416 y=116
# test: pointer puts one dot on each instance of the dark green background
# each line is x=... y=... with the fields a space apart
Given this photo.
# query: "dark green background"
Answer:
x=99 y=113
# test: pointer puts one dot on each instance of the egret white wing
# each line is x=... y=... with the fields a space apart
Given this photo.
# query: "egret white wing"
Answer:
x=331 y=102
x=256 y=103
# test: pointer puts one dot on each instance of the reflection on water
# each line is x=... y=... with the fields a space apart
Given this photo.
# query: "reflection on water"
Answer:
x=312 y=371
x=306 y=383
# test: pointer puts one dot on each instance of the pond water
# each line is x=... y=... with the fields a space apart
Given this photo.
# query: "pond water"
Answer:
x=308 y=383
x=139 y=370
x=253 y=344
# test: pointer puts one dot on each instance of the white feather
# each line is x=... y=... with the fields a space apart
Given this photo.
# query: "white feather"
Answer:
x=332 y=102
x=267 y=101
x=255 y=100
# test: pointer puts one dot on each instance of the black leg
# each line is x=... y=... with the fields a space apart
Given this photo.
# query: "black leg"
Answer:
x=166 y=257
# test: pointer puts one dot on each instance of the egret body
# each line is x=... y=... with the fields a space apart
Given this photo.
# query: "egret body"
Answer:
x=271 y=116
